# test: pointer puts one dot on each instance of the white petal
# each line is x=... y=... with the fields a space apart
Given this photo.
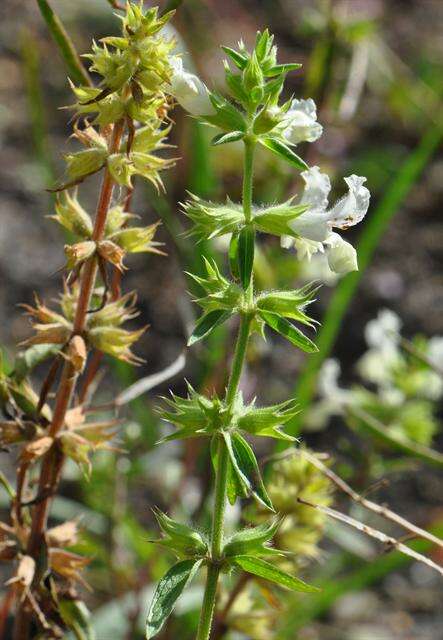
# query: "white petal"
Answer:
x=317 y=189
x=301 y=121
x=352 y=208
x=189 y=91
x=286 y=242
x=311 y=225
x=307 y=248
x=342 y=257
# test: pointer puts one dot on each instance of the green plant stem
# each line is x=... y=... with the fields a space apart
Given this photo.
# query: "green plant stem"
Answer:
x=208 y=606
x=248 y=168
x=207 y=612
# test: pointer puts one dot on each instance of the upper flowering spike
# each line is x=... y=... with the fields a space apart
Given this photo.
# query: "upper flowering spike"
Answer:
x=134 y=67
x=315 y=226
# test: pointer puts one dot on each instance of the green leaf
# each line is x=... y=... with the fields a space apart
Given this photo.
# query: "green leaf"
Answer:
x=225 y=138
x=245 y=255
x=283 y=151
x=278 y=69
x=77 y=618
x=167 y=593
x=207 y=323
x=27 y=360
x=262 y=569
x=239 y=59
x=245 y=465
x=289 y=331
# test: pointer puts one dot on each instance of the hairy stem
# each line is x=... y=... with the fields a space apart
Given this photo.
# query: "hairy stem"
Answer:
x=208 y=606
x=53 y=461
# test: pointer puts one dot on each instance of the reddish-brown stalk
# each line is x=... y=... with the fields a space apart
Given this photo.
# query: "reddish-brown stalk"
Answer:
x=53 y=461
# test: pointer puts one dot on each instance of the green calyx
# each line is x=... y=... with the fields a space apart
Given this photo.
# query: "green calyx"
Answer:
x=211 y=220
x=197 y=415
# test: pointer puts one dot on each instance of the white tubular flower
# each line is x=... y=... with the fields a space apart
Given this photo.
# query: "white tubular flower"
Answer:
x=301 y=122
x=189 y=91
x=315 y=226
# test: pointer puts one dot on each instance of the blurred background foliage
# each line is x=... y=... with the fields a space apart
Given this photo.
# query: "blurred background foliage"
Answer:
x=374 y=68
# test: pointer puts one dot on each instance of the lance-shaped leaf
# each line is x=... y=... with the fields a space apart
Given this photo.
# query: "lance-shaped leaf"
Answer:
x=267 y=421
x=245 y=465
x=180 y=538
x=245 y=255
x=252 y=541
x=211 y=219
x=239 y=59
x=167 y=593
x=283 y=151
x=262 y=569
x=289 y=331
x=206 y=325
x=277 y=219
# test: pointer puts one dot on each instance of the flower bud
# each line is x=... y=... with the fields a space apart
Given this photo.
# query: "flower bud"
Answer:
x=189 y=91
x=137 y=239
x=342 y=256
x=71 y=215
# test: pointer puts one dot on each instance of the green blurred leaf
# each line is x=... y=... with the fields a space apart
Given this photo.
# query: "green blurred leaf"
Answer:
x=225 y=138
x=77 y=618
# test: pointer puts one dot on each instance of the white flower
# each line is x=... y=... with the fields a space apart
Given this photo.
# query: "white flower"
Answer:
x=189 y=91
x=383 y=332
x=435 y=351
x=315 y=225
x=382 y=336
x=301 y=122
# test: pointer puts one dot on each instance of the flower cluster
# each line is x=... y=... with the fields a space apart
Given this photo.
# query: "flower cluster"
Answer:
x=402 y=387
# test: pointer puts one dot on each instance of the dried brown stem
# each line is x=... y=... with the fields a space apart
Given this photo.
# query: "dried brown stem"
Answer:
x=53 y=461
x=388 y=541
x=379 y=509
